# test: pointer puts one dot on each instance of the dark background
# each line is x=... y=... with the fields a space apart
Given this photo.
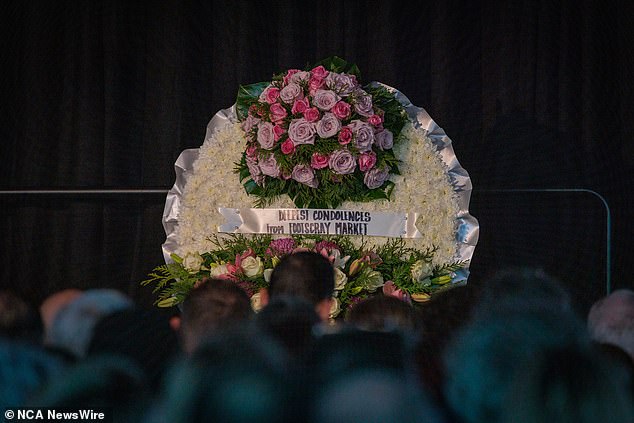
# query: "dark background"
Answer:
x=106 y=94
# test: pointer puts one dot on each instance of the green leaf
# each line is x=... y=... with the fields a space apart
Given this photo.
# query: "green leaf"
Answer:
x=339 y=65
x=167 y=302
x=247 y=95
x=251 y=187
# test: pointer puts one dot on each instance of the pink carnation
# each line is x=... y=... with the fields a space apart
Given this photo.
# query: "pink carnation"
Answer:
x=280 y=247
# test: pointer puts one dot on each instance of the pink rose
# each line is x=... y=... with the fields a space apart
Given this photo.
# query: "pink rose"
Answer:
x=311 y=114
x=266 y=138
x=328 y=126
x=270 y=94
x=384 y=139
x=362 y=102
x=366 y=161
x=341 y=83
x=249 y=123
x=251 y=151
x=345 y=135
x=319 y=72
x=269 y=166
x=291 y=92
x=305 y=175
x=299 y=77
x=319 y=161
x=325 y=99
x=300 y=131
x=363 y=135
x=300 y=106
x=278 y=112
x=375 y=120
x=278 y=131
x=375 y=177
x=289 y=74
x=315 y=83
x=341 y=109
x=288 y=147
x=342 y=162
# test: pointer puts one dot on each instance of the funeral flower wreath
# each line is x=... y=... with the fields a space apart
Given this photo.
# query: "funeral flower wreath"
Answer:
x=317 y=139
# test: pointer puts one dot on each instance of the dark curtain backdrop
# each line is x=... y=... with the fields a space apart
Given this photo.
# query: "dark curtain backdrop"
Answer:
x=106 y=94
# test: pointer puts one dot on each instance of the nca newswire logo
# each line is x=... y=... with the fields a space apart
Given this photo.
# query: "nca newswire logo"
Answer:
x=56 y=415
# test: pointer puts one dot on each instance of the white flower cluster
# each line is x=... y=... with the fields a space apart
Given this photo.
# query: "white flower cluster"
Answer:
x=424 y=187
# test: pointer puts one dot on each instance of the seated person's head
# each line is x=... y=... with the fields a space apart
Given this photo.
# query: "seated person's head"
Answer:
x=72 y=327
x=382 y=313
x=214 y=305
x=611 y=320
x=18 y=319
x=290 y=322
x=308 y=275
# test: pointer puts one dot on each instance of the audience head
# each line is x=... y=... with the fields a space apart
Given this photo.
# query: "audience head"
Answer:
x=111 y=382
x=569 y=385
x=483 y=358
x=24 y=371
x=308 y=275
x=73 y=324
x=141 y=336
x=233 y=376
x=514 y=289
x=441 y=319
x=383 y=313
x=53 y=303
x=290 y=321
x=373 y=396
x=611 y=320
x=18 y=319
x=214 y=305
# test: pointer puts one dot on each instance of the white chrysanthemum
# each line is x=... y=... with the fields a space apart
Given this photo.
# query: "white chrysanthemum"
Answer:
x=423 y=187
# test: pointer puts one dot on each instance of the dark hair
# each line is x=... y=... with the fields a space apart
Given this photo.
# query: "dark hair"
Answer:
x=143 y=336
x=233 y=376
x=305 y=274
x=482 y=359
x=214 y=304
x=290 y=322
x=566 y=385
x=24 y=370
x=382 y=313
x=109 y=381
x=516 y=288
x=18 y=319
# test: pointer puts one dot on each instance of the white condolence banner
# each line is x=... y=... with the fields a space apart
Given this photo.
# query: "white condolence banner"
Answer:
x=319 y=222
